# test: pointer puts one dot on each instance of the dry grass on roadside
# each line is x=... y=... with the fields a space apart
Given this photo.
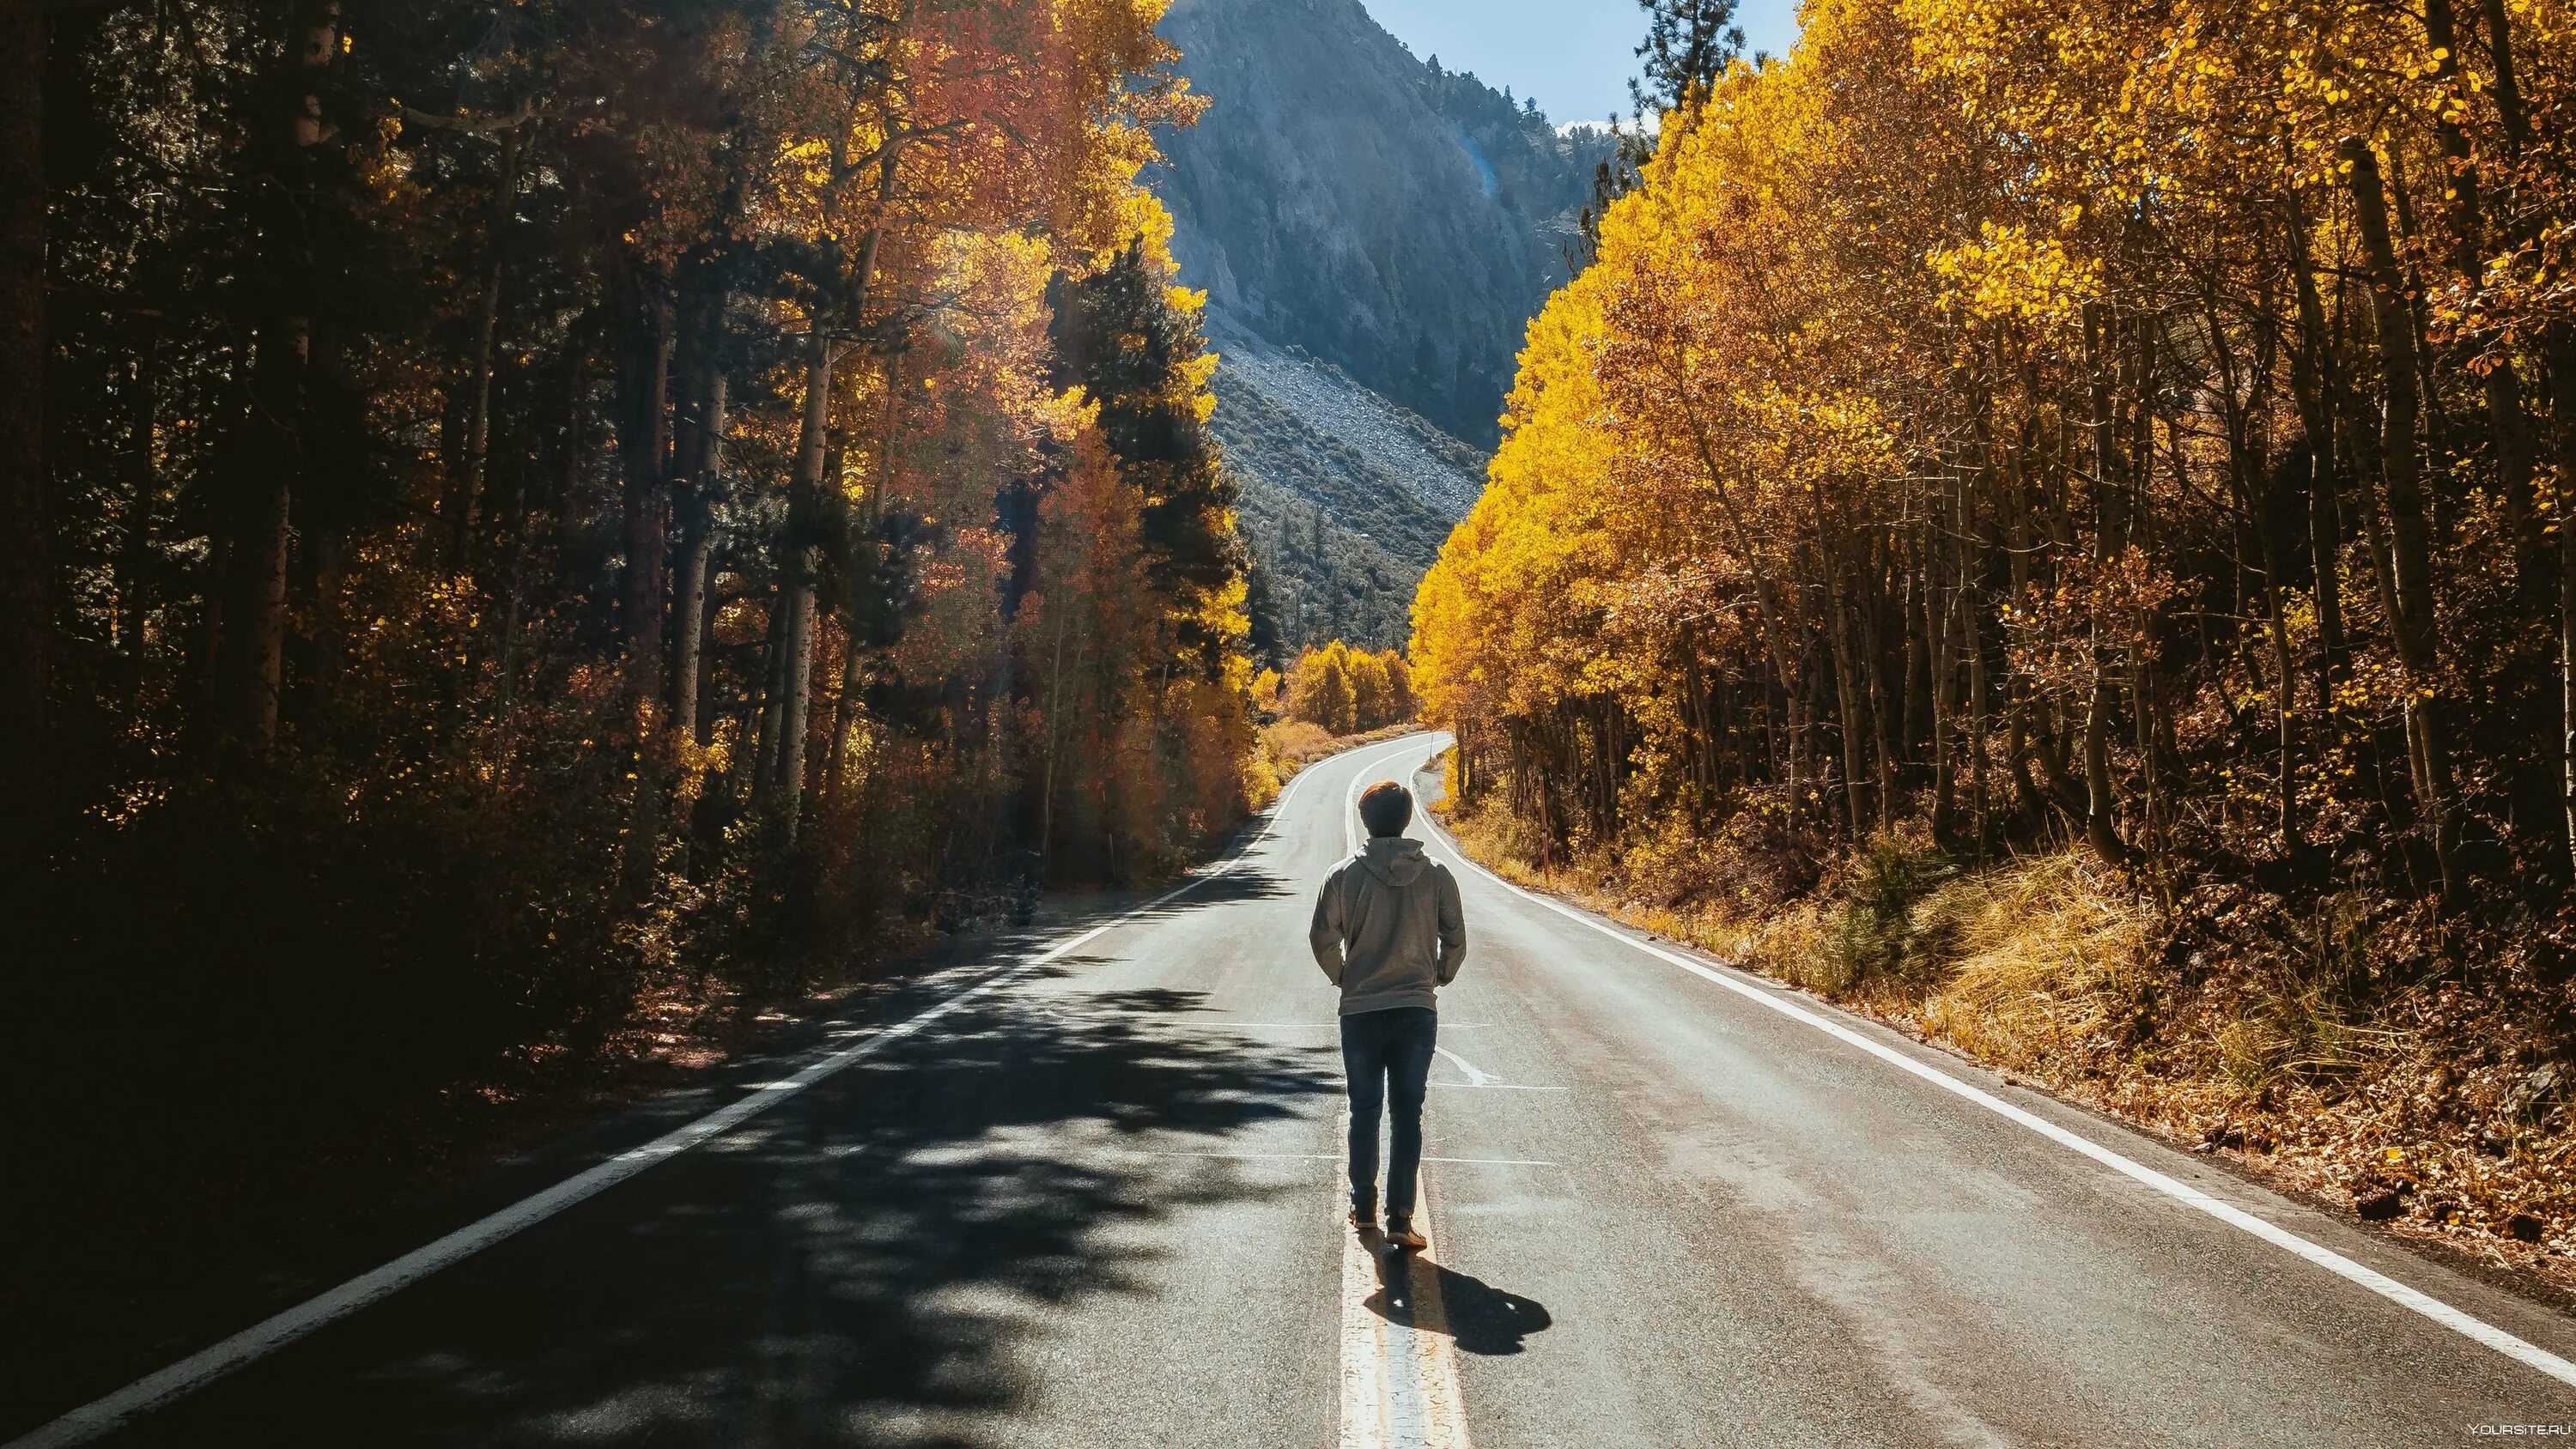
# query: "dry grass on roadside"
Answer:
x=1293 y=744
x=2427 y=1113
x=2049 y=957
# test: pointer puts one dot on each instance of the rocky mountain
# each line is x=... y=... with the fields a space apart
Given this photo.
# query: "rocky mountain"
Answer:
x=1346 y=496
x=1373 y=233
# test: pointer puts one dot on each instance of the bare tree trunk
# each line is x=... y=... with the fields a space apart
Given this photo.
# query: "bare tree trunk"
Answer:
x=844 y=725
x=1939 y=604
x=762 y=760
x=845 y=700
x=2101 y=829
x=2413 y=625
x=1914 y=616
x=643 y=441
x=2316 y=389
x=1980 y=712
x=2507 y=89
x=2325 y=552
x=1853 y=704
x=805 y=488
x=2508 y=424
x=706 y=711
x=1873 y=656
x=2432 y=418
x=2558 y=350
x=1776 y=625
x=250 y=650
x=2564 y=376
x=466 y=487
x=1055 y=734
x=783 y=781
x=2286 y=799
x=26 y=544
x=697 y=548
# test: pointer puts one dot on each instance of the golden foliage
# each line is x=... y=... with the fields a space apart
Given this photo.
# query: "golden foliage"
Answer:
x=2010 y=426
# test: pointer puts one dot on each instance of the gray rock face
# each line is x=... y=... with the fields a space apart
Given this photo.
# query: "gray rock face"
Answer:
x=1346 y=497
x=1373 y=234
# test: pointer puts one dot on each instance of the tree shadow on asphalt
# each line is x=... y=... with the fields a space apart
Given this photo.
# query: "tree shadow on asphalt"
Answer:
x=1244 y=883
x=862 y=1265
x=1479 y=1317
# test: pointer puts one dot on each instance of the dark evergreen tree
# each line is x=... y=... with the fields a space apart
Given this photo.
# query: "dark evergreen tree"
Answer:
x=1119 y=336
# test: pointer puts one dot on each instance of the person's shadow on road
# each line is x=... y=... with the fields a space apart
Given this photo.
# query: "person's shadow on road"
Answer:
x=1477 y=1316
x=1485 y=1319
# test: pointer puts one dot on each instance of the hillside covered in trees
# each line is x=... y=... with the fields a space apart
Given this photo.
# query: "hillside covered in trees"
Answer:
x=521 y=512
x=2010 y=431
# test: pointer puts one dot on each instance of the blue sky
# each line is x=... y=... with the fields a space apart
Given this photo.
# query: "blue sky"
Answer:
x=1574 y=55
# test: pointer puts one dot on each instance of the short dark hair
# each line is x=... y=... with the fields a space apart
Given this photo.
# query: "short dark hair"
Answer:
x=1386 y=808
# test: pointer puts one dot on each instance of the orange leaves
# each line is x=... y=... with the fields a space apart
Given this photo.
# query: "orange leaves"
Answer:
x=986 y=116
x=2060 y=635
x=958 y=615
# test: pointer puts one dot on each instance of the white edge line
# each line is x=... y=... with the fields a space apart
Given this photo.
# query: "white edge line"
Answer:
x=103 y=1415
x=2518 y=1349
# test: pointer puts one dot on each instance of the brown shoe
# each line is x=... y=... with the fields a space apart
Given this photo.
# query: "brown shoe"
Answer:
x=1400 y=1233
x=1364 y=1223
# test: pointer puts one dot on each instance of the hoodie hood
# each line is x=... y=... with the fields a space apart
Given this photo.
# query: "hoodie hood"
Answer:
x=1395 y=860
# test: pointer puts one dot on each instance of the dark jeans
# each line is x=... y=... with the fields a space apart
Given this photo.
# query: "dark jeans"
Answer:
x=1387 y=1053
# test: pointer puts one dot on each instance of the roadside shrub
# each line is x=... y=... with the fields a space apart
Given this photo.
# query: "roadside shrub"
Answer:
x=1872 y=932
x=1293 y=744
x=1759 y=859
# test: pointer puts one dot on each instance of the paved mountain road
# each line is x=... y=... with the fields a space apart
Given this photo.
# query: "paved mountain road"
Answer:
x=1097 y=1202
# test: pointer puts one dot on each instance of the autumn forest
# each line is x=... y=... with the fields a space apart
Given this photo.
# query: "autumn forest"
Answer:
x=523 y=513
x=2021 y=460
x=537 y=531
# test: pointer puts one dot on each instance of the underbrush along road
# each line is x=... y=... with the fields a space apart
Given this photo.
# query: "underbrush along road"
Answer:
x=1087 y=1192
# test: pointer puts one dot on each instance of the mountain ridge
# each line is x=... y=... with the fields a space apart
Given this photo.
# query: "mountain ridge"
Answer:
x=1373 y=233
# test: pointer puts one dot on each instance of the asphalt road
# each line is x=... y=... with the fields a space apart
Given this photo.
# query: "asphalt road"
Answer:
x=1095 y=1201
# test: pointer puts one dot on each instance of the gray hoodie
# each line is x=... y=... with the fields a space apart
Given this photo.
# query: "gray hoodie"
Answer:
x=1388 y=929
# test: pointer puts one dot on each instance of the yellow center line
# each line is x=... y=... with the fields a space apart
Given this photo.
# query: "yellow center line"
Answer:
x=1399 y=1362
x=1364 y=1406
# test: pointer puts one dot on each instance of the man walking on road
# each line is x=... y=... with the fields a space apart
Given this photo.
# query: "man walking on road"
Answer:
x=1388 y=931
